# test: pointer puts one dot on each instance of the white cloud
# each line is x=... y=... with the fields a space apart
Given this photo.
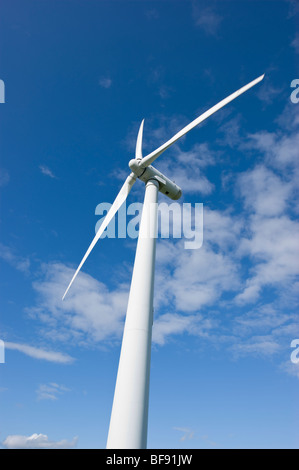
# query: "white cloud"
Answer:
x=37 y=441
x=159 y=130
x=91 y=311
x=105 y=82
x=266 y=234
x=171 y=324
x=280 y=150
x=274 y=250
x=152 y=14
x=190 y=165
x=290 y=368
x=268 y=92
x=191 y=181
x=188 y=171
x=259 y=346
x=200 y=277
x=295 y=43
x=50 y=391
x=208 y=441
x=192 y=280
x=293 y=8
x=223 y=229
x=46 y=171
x=277 y=150
x=165 y=91
x=20 y=263
x=243 y=252
x=264 y=331
x=38 y=353
x=207 y=19
x=4 y=177
x=264 y=345
x=267 y=319
x=230 y=129
x=187 y=433
x=265 y=193
x=270 y=195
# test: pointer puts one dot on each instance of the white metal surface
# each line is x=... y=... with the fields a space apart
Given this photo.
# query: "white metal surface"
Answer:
x=128 y=423
x=166 y=186
x=148 y=159
x=129 y=417
x=119 y=200
x=138 y=151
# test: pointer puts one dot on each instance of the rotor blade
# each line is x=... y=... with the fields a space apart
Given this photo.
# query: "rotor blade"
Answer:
x=148 y=159
x=120 y=199
x=138 y=151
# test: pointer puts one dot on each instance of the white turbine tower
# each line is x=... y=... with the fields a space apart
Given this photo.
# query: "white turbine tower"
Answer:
x=129 y=416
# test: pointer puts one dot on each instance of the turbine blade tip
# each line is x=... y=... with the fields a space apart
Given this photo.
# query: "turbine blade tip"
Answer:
x=63 y=297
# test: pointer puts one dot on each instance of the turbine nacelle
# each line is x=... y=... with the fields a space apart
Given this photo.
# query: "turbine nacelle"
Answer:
x=166 y=186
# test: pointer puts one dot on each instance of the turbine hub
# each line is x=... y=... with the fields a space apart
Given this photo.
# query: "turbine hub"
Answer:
x=135 y=167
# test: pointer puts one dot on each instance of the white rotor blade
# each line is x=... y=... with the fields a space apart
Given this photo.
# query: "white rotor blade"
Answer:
x=120 y=199
x=148 y=159
x=138 y=151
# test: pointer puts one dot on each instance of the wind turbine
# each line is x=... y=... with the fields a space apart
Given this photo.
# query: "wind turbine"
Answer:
x=129 y=416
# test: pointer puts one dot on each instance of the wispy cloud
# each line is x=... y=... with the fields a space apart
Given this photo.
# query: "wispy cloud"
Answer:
x=195 y=279
x=190 y=166
x=37 y=441
x=38 y=353
x=71 y=318
x=295 y=43
x=50 y=391
x=293 y=7
x=171 y=324
x=165 y=91
x=105 y=82
x=264 y=345
x=264 y=331
x=243 y=254
x=265 y=193
x=187 y=433
x=152 y=14
x=290 y=368
x=20 y=263
x=208 y=441
x=206 y=18
x=268 y=92
x=269 y=192
x=46 y=171
x=4 y=177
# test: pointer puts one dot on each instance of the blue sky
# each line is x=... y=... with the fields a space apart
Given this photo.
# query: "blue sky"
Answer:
x=79 y=78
